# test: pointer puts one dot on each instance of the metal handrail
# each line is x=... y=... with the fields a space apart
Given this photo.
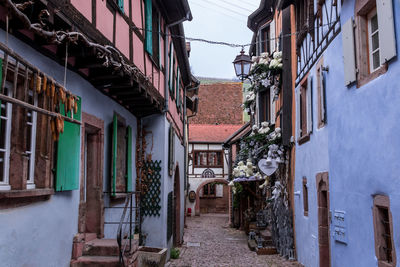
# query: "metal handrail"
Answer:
x=128 y=203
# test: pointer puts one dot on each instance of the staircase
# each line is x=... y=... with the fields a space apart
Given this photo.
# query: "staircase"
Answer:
x=96 y=252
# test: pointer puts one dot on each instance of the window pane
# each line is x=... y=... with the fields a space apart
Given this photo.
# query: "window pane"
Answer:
x=376 y=59
x=375 y=41
x=205 y=189
x=212 y=189
x=212 y=159
x=3 y=125
x=203 y=158
x=374 y=23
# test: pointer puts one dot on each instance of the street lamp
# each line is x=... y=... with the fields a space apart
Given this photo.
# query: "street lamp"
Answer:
x=242 y=65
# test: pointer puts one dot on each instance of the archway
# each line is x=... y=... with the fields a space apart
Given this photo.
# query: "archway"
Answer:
x=216 y=180
x=177 y=208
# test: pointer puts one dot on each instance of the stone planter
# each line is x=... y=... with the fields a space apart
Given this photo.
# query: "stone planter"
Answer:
x=150 y=257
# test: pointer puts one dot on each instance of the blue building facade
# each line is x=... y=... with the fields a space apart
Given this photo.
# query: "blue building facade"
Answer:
x=347 y=206
x=125 y=118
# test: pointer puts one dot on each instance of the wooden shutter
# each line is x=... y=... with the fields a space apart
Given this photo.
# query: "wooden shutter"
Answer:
x=298 y=114
x=387 y=40
x=309 y=104
x=173 y=78
x=129 y=159
x=69 y=153
x=272 y=36
x=322 y=95
x=171 y=63
x=272 y=106
x=159 y=40
x=114 y=154
x=171 y=150
x=121 y=5
x=348 y=52
x=178 y=89
x=149 y=26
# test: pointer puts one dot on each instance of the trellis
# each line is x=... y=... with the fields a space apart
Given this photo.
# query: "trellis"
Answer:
x=151 y=188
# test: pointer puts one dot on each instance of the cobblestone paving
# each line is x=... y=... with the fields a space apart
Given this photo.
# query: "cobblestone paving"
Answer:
x=208 y=241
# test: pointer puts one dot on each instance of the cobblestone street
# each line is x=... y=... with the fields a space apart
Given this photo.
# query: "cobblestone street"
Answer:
x=209 y=241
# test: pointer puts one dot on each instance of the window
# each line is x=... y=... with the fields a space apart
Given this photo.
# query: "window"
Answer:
x=30 y=137
x=171 y=150
x=208 y=159
x=121 y=151
x=5 y=136
x=321 y=94
x=156 y=35
x=374 y=39
x=178 y=91
x=304 y=110
x=264 y=39
x=305 y=196
x=267 y=106
x=383 y=229
x=209 y=190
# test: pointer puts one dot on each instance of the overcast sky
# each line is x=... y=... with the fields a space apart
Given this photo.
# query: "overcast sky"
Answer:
x=218 y=20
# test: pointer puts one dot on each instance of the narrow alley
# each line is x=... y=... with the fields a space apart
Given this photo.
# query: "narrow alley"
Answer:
x=209 y=241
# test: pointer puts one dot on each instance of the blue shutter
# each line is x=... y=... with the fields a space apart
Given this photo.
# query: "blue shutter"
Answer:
x=148 y=26
x=69 y=154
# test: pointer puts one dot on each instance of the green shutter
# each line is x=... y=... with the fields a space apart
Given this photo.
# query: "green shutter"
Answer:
x=114 y=154
x=173 y=79
x=129 y=160
x=178 y=89
x=69 y=153
x=149 y=25
x=121 y=5
x=159 y=40
x=171 y=56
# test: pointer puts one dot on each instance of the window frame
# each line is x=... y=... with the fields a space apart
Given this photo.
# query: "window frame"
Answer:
x=371 y=52
x=305 y=197
x=30 y=181
x=209 y=186
x=196 y=152
x=5 y=184
x=383 y=202
x=321 y=91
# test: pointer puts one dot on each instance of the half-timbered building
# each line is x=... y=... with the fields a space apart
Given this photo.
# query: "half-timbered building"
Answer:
x=93 y=126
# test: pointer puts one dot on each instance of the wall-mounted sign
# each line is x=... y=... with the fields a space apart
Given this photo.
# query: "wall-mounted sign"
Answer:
x=192 y=196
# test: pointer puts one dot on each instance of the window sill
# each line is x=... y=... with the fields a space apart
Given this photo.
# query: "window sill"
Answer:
x=26 y=193
x=381 y=70
x=304 y=139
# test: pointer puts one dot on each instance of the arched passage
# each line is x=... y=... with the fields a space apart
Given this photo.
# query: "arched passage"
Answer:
x=216 y=180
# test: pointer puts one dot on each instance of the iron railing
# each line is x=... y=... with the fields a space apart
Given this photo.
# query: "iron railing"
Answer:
x=129 y=223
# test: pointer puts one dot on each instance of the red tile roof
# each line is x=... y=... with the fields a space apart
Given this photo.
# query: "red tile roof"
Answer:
x=211 y=133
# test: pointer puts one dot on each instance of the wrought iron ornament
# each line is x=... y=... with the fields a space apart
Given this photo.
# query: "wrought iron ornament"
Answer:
x=151 y=186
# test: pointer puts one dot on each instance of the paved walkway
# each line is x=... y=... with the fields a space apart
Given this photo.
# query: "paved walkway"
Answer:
x=208 y=241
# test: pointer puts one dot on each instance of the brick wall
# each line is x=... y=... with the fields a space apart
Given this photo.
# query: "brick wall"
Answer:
x=219 y=103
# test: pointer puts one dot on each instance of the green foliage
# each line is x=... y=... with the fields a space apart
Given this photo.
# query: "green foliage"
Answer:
x=174 y=253
x=238 y=190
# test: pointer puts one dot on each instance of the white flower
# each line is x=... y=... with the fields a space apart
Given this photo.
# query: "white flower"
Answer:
x=231 y=184
x=264 y=55
x=277 y=55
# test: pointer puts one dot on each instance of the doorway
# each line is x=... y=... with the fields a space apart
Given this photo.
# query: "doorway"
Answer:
x=323 y=219
x=91 y=217
x=177 y=208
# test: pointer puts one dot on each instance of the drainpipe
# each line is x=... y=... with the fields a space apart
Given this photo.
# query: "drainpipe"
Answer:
x=166 y=44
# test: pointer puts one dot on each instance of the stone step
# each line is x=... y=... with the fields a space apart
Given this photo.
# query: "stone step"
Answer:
x=96 y=261
x=101 y=247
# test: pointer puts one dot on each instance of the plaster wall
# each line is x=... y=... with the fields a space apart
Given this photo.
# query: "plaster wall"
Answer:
x=364 y=160
x=311 y=158
x=361 y=153
x=155 y=227
x=53 y=223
